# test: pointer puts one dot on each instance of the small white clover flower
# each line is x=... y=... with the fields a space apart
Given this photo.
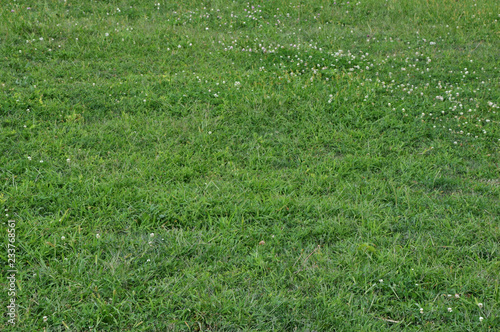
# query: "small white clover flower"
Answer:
x=63 y=238
x=45 y=318
x=481 y=319
x=381 y=280
x=421 y=310
x=450 y=310
x=152 y=234
x=480 y=305
x=98 y=235
x=457 y=296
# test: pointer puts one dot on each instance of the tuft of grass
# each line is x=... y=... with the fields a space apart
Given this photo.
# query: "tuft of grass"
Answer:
x=276 y=165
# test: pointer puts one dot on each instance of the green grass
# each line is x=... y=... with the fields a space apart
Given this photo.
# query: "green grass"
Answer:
x=341 y=173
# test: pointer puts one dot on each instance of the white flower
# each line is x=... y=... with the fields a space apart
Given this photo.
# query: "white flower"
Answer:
x=106 y=34
x=381 y=280
x=44 y=318
x=29 y=158
x=237 y=83
x=152 y=234
x=450 y=310
x=457 y=296
x=63 y=238
x=68 y=160
x=98 y=235
x=481 y=319
x=480 y=305
x=421 y=310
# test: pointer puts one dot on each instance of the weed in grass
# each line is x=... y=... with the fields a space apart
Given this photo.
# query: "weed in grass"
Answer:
x=252 y=166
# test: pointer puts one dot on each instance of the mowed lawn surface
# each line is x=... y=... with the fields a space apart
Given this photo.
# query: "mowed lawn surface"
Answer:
x=255 y=166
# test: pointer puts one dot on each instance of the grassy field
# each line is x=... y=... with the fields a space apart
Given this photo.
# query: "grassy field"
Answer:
x=256 y=166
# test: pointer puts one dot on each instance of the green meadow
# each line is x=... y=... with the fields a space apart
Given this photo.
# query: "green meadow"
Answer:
x=250 y=166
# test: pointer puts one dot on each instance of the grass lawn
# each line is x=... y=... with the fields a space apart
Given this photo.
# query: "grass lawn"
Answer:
x=250 y=166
